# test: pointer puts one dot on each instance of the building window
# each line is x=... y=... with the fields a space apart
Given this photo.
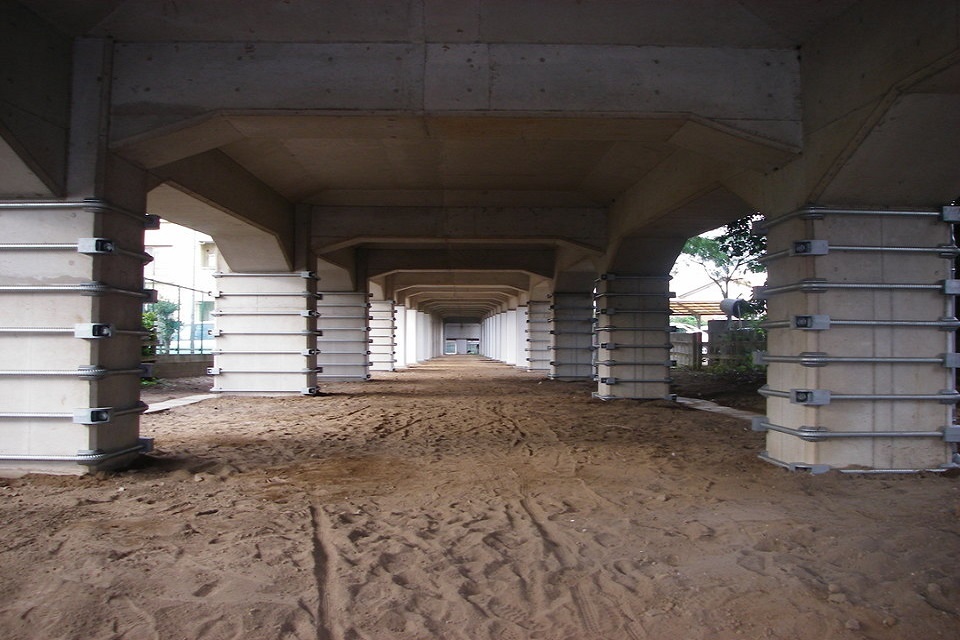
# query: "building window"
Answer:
x=208 y=255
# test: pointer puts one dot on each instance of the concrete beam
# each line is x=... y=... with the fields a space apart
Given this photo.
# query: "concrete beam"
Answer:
x=536 y=260
x=727 y=23
x=396 y=282
x=214 y=179
x=17 y=179
x=683 y=177
x=910 y=158
x=873 y=48
x=159 y=84
x=339 y=227
x=477 y=295
x=653 y=248
x=879 y=103
x=243 y=246
x=462 y=304
x=34 y=104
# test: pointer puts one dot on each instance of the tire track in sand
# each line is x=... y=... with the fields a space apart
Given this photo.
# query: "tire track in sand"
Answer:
x=322 y=569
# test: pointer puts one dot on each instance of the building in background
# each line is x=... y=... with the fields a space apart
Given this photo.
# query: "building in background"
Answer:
x=184 y=262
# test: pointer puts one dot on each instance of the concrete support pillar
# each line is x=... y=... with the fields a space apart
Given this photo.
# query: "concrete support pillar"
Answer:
x=400 y=335
x=71 y=296
x=520 y=339
x=490 y=337
x=436 y=326
x=411 y=336
x=423 y=336
x=539 y=340
x=861 y=351
x=486 y=337
x=509 y=337
x=344 y=340
x=382 y=336
x=571 y=326
x=266 y=333
x=633 y=324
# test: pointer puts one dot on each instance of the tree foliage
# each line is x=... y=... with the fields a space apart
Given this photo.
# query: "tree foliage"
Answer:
x=160 y=318
x=728 y=257
x=739 y=240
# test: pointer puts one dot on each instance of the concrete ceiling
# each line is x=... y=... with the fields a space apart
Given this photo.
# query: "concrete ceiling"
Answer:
x=488 y=159
x=437 y=161
x=734 y=23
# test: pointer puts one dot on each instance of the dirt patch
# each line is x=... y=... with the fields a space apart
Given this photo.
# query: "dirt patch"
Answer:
x=170 y=388
x=465 y=499
x=728 y=388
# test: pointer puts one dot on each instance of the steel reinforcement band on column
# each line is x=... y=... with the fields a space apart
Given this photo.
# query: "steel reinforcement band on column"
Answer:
x=932 y=243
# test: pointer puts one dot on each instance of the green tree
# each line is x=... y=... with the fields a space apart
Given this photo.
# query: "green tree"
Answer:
x=728 y=257
x=160 y=317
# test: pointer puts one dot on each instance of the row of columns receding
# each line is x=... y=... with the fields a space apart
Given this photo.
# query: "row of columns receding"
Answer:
x=861 y=337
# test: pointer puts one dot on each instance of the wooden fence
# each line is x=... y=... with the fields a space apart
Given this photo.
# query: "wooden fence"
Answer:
x=687 y=349
x=732 y=345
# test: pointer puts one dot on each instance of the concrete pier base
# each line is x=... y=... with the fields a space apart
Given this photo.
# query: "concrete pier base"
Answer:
x=633 y=324
x=71 y=296
x=572 y=329
x=861 y=362
x=266 y=333
x=344 y=340
x=539 y=339
x=383 y=341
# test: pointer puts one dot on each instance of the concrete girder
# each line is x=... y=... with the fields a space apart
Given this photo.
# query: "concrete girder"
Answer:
x=461 y=304
x=655 y=250
x=35 y=97
x=17 y=179
x=433 y=160
x=533 y=259
x=730 y=23
x=395 y=285
x=910 y=158
x=888 y=108
x=159 y=84
x=337 y=228
x=229 y=191
x=487 y=297
x=243 y=246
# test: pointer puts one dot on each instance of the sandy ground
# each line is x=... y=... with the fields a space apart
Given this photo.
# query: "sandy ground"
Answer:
x=464 y=499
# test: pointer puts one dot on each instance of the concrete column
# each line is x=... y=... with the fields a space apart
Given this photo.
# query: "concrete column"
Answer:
x=423 y=336
x=539 y=340
x=71 y=275
x=400 y=335
x=71 y=296
x=491 y=337
x=266 y=333
x=382 y=335
x=633 y=324
x=510 y=337
x=344 y=340
x=520 y=339
x=861 y=340
x=411 y=336
x=485 y=337
x=572 y=330
x=436 y=325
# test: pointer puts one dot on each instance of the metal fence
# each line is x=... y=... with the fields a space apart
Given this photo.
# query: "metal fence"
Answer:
x=180 y=319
